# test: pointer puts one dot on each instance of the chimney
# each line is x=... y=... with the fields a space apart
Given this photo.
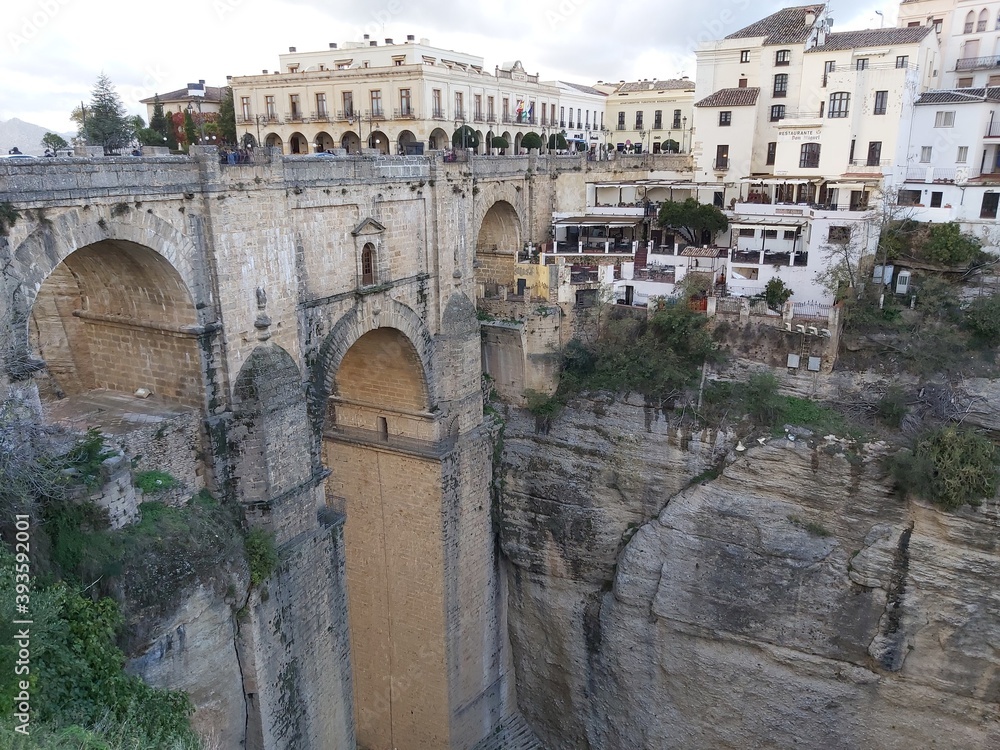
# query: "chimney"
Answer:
x=388 y=41
x=333 y=45
x=810 y=17
x=291 y=49
x=410 y=37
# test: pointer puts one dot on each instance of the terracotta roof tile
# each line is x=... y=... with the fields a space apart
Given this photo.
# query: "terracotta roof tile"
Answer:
x=787 y=26
x=960 y=96
x=873 y=38
x=678 y=84
x=745 y=97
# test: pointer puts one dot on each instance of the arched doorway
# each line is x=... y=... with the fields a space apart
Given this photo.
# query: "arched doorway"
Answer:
x=323 y=141
x=517 y=143
x=379 y=141
x=438 y=140
x=483 y=147
x=489 y=142
x=351 y=142
x=273 y=140
x=497 y=245
x=406 y=142
x=510 y=142
x=386 y=480
x=298 y=144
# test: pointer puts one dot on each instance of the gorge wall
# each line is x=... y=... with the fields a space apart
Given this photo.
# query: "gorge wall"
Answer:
x=792 y=601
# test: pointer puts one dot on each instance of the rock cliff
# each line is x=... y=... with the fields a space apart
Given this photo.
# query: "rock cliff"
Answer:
x=793 y=601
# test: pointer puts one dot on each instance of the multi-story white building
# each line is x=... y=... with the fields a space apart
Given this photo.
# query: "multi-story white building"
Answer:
x=649 y=115
x=398 y=98
x=969 y=34
x=581 y=112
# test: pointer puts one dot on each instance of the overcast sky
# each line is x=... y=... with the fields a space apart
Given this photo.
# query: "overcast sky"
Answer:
x=53 y=50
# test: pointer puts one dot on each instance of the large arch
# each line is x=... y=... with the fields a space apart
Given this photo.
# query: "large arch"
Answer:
x=298 y=144
x=438 y=140
x=273 y=140
x=324 y=142
x=379 y=141
x=404 y=139
x=498 y=241
x=350 y=141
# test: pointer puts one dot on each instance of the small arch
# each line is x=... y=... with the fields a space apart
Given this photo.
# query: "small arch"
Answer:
x=481 y=147
x=351 y=142
x=273 y=140
x=297 y=144
x=970 y=21
x=324 y=141
x=510 y=141
x=489 y=141
x=438 y=140
x=404 y=140
x=368 y=265
x=984 y=19
x=379 y=141
x=517 y=143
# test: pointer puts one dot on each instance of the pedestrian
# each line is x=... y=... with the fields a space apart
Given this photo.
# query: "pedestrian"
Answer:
x=14 y=150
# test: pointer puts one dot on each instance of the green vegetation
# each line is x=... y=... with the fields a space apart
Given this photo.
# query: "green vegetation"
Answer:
x=500 y=142
x=949 y=466
x=154 y=481
x=557 y=141
x=776 y=294
x=982 y=320
x=105 y=121
x=8 y=218
x=465 y=137
x=261 y=555
x=54 y=141
x=532 y=140
x=758 y=400
x=691 y=219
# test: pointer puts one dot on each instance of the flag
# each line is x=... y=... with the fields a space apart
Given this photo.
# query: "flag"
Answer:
x=531 y=111
x=520 y=109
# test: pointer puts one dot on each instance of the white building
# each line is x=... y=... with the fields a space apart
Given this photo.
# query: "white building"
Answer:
x=649 y=115
x=969 y=35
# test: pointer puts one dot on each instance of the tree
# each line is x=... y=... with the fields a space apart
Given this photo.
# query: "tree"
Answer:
x=532 y=140
x=465 y=137
x=106 y=122
x=190 y=131
x=950 y=467
x=557 y=141
x=691 y=219
x=776 y=293
x=949 y=246
x=54 y=141
x=844 y=256
x=227 y=117
x=163 y=125
x=145 y=136
x=500 y=142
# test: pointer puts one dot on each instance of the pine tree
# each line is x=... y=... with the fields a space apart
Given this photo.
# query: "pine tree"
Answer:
x=227 y=117
x=190 y=131
x=106 y=121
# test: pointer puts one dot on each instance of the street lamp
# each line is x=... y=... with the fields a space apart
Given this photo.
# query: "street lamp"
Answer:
x=461 y=124
x=684 y=122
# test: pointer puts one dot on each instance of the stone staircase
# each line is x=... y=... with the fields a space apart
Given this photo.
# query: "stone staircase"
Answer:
x=513 y=733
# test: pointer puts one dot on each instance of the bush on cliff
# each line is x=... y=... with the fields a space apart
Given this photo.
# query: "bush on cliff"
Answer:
x=949 y=466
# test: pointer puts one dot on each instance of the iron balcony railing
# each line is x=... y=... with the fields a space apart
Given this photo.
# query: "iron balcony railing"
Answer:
x=322 y=116
x=345 y=114
x=437 y=113
x=974 y=63
x=993 y=130
x=404 y=113
x=721 y=165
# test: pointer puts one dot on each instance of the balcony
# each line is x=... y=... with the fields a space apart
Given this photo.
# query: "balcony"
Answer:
x=867 y=166
x=295 y=116
x=375 y=114
x=404 y=113
x=491 y=118
x=507 y=118
x=721 y=165
x=437 y=113
x=460 y=115
x=245 y=120
x=345 y=114
x=477 y=117
x=977 y=63
x=562 y=123
x=321 y=116
x=993 y=130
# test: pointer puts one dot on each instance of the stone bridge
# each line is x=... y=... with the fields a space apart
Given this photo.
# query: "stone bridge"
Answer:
x=317 y=318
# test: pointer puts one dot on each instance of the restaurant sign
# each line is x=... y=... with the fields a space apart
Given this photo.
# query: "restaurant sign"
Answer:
x=800 y=135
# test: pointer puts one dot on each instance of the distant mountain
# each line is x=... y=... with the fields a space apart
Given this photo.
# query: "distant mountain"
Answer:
x=26 y=136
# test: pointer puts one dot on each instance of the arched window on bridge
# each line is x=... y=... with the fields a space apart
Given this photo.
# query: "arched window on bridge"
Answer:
x=368 y=265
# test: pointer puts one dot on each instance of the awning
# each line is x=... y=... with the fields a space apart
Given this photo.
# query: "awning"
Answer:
x=847 y=185
x=778 y=222
x=598 y=221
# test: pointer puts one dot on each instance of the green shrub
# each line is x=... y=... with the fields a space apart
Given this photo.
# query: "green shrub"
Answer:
x=87 y=455
x=776 y=294
x=891 y=408
x=500 y=142
x=531 y=140
x=948 y=245
x=541 y=404
x=761 y=400
x=982 y=319
x=262 y=556
x=155 y=481
x=950 y=467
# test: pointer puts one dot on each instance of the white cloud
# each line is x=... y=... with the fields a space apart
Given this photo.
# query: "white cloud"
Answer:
x=51 y=51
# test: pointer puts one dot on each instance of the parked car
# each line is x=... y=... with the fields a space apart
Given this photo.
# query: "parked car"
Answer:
x=17 y=157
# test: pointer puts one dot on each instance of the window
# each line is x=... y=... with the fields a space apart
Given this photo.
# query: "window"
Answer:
x=437 y=110
x=840 y=104
x=269 y=107
x=783 y=57
x=989 y=207
x=404 y=103
x=828 y=67
x=936 y=199
x=964 y=83
x=587 y=123
x=722 y=157
x=902 y=61
x=459 y=105
x=376 y=103
x=937 y=23
x=908 y=197
x=491 y=112
x=963 y=155
x=777 y=112
x=743 y=83
x=881 y=101
x=970 y=22
x=874 y=153
x=321 y=105
x=747 y=232
x=861 y=63
x=368 y=265
x=925 y=154
x=839 y=234
x=745 y=56
x=788 y=234
x=677 y=119
x=780 y=85
x=506 y=109
x=725 y=118
x=772 y=150
x=770 y=234
x=809 y=156
x=477 y=103
x=658 y=119
x=398 y=61
x=944 y=119
x=348 y=104
x=984 y=18
x=638 y=120
x=621 y=120
x=245 y=107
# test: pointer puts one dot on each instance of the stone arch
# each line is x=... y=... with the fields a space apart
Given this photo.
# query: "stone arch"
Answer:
x=350 y=141
x=438 y=140
x=489 y=141
x=324 y=141
x=379 y=141
x=376 y=312
x=273 y=140
x=405 y=139
x=499 y=236
x=482 y=147
x=517 y=143
x=298 y=143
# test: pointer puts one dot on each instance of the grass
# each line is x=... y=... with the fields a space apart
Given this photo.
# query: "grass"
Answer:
x=155 y=481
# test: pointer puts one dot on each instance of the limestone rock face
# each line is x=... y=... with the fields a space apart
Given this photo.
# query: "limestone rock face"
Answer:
x=792 y=602
x=194 y=650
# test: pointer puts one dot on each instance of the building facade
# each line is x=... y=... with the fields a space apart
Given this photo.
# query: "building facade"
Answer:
x=649 y=115
x=969 y=35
